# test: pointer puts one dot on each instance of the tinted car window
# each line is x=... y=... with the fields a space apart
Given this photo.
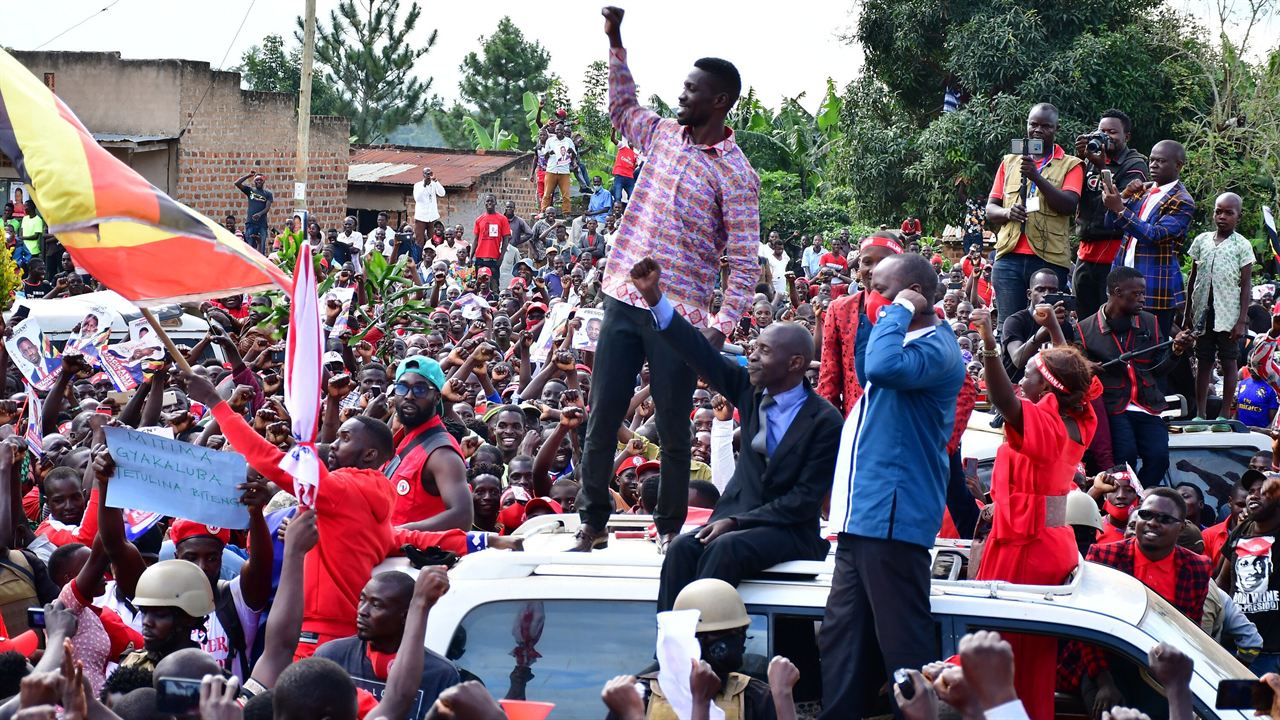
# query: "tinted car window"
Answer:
x=1213 y=470
x=564 y=651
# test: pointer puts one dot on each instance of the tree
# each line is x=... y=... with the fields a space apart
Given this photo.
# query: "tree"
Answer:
x=902 y=154
x=496 y=80
x=266 y=68
x=366 y=54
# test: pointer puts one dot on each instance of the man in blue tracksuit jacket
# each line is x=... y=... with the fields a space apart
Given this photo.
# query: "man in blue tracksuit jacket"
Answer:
x=889 y=491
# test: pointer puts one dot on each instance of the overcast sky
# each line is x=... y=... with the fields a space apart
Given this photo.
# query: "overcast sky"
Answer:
x=781 y=50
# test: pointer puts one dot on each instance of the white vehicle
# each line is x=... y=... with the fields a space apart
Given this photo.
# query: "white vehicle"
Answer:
x=576 y=620
x=58 y=317
x=1212 y=461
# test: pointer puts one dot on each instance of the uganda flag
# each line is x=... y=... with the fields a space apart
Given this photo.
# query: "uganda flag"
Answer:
x=120 y=228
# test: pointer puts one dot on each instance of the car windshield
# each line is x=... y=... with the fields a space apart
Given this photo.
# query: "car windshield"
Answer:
x=1212 y=469
x=1165 y=624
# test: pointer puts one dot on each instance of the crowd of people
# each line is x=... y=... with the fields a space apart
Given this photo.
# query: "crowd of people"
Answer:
x=654 y=356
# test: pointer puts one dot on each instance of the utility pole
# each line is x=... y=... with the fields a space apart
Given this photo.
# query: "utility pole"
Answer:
x=304 y=111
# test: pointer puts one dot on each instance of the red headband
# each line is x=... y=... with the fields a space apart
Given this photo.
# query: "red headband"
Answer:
x=1048 y=376
x=878 y=241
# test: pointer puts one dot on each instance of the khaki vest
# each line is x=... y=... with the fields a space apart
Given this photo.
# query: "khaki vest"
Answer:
x=731 y=700
x=17 y=591
x=1048 y=232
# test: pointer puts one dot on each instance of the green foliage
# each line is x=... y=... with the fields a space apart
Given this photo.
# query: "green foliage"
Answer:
x=495 y=80
x=784 y=209
x=900 y=154
x=10 y=280
x=495 y=138
x=267 y=68
x=368 y=57
x=794 y=139
x=392 y=298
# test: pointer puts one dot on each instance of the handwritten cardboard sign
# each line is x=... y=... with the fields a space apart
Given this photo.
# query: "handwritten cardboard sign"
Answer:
x=175 y=478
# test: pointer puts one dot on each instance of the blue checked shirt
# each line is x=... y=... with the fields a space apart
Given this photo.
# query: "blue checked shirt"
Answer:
x=1158 y=240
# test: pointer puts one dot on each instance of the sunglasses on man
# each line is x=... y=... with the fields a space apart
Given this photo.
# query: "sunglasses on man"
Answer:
x=418 y=390
x=1158 y=517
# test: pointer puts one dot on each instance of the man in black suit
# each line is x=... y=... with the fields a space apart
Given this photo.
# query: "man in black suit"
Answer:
x=769 y=511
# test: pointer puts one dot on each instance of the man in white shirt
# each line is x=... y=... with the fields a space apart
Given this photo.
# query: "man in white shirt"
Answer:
x=426 y=208
x=381 y=239
x=561 y=155
x=349 y=244
x=778 y=261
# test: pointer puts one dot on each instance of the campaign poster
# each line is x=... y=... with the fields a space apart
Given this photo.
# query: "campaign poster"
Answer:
x=94 y=332
x=33 y=354
x=128 y=363
x=555 y=321
x=589 y=332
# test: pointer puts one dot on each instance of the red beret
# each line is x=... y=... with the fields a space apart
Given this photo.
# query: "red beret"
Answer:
x=187 y=529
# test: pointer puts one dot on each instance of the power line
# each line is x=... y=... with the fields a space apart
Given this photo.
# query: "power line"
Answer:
x=73 y=27
x=221 y=63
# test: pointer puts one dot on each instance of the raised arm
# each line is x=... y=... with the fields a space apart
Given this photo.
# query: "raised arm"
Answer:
x=125 y=559
x=999 y=388
x=285 y=622
x=255 y=576
x=261 y=455
x=724 y=375
x=636 y=122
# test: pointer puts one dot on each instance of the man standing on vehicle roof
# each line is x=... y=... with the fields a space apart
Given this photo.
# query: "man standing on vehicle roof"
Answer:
x=1121 y=329
x=697 y=202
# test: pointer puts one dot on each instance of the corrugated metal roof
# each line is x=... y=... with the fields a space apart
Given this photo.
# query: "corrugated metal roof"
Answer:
x=403 y=166
x=129 y=137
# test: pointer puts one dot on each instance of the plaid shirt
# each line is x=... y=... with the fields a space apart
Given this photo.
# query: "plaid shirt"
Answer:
x=1159 y=239
x=693 y=205
x=1191 y=575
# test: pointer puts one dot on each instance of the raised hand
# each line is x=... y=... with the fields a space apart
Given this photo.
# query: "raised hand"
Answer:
x=646 y=275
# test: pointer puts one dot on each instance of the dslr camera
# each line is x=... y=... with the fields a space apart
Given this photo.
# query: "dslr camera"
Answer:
x=1026 y=146
x=1097 y=143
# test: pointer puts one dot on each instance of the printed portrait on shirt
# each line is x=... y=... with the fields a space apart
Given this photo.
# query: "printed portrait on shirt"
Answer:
x=1253 y=568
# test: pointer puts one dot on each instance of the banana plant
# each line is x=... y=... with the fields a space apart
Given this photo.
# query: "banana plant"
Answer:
x=391 y=300
x=491 y=139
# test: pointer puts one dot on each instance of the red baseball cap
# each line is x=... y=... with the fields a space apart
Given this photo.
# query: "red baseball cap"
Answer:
x=542 y=503
x=537 y=306
x=635 y=461
x=25 y=644
x=648 y=465
x=187 y=529
x=485 y=271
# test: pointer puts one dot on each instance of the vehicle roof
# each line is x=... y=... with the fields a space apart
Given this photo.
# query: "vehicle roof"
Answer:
x=980 y=440
x=801 y=583
x=59 y=316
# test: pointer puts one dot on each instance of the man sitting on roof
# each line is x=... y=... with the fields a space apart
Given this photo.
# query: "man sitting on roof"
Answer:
x=769 y=511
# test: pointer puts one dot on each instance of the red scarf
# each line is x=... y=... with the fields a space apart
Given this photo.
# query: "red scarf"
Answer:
x=380 y=661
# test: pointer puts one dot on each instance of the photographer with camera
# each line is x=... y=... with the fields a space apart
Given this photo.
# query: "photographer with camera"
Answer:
x=1035 y=194
x=1104 y=150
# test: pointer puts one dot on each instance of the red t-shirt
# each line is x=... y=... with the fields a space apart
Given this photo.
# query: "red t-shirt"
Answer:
x=1156 y=574
x=490 y=229
x=624 y=164
x=1073 y=182
x=911 y=228
x=829 y=259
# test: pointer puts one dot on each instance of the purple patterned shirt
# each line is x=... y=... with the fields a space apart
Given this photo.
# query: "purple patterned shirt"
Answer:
x=693 y=205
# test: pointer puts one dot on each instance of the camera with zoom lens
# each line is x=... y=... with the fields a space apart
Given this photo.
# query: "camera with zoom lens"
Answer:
x=1026 y=146
x=1098 y=143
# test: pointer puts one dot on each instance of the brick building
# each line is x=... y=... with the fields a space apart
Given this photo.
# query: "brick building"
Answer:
x=381 y=179
x=192 y=131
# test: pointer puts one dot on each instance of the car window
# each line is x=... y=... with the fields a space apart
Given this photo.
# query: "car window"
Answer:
x=564 y=651
x=1214 y=470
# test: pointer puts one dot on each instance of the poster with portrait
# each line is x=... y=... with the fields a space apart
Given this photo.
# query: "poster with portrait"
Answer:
x=551 y=329
x=473 y=306
x=589 y=331
x=33 y=354
x=129 y=363
x=93 y=334
x=17 y=194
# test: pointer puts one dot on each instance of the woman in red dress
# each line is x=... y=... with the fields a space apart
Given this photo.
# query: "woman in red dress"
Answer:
x=1047 y=428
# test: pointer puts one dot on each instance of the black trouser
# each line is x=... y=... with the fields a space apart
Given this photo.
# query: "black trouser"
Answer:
x=734 y=557
x=627 y=338
x=877 y=620
x=960 y=502
x=1090 y=286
